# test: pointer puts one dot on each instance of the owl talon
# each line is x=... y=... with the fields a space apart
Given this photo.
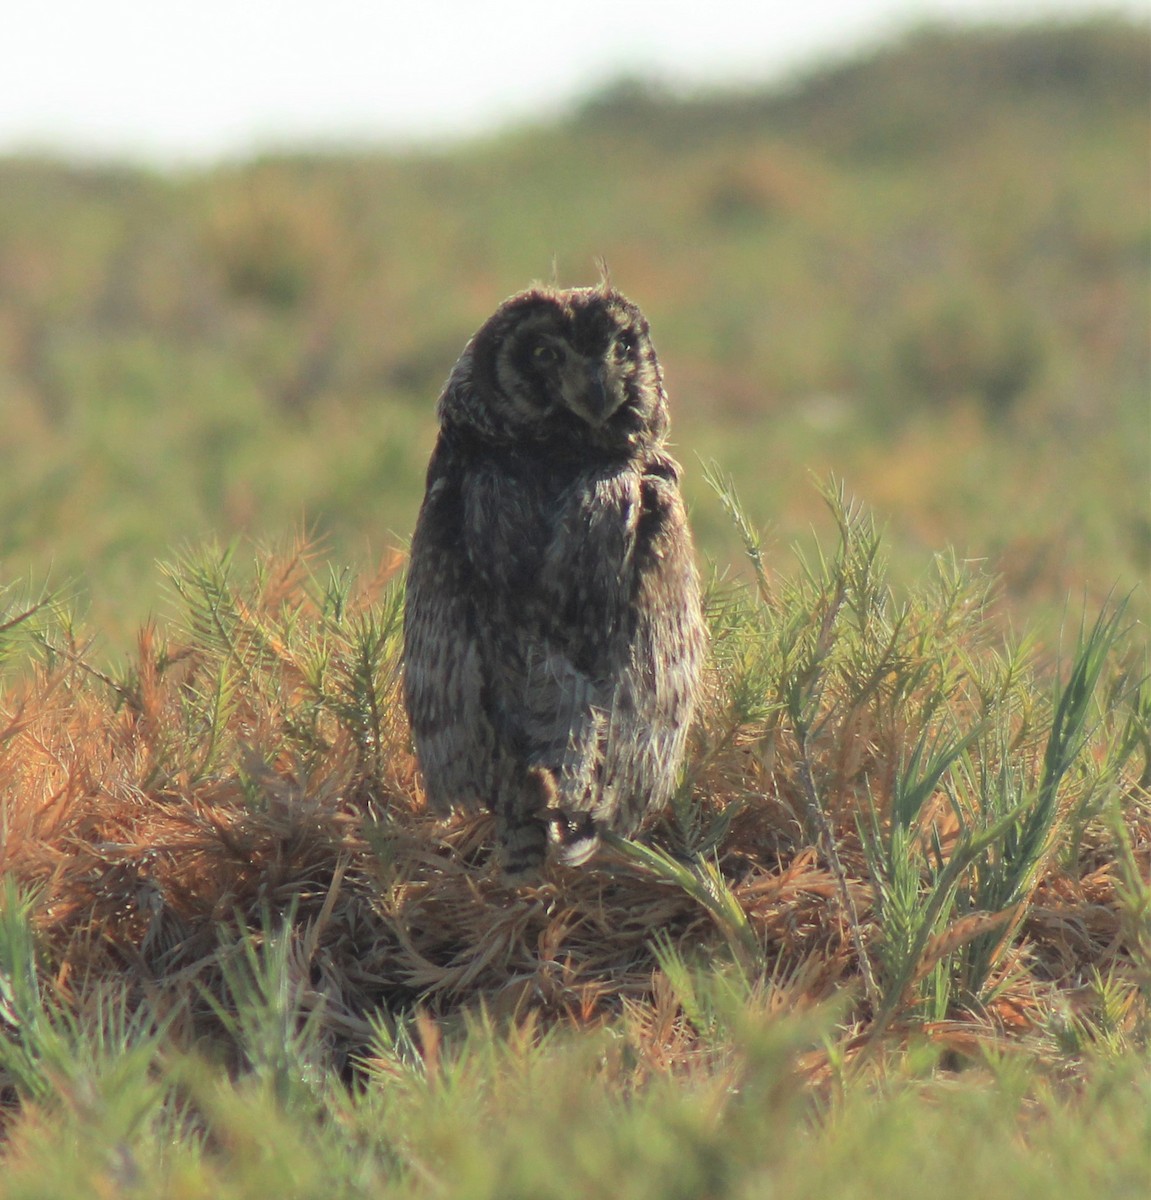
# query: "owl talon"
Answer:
x=576 y=835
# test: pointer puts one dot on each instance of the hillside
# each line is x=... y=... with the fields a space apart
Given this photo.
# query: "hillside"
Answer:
x=925 y=270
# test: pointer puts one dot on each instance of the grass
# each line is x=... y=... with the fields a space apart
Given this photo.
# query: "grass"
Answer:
x=898 y=909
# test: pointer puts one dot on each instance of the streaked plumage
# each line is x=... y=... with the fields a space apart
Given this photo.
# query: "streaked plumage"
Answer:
x=553 y=635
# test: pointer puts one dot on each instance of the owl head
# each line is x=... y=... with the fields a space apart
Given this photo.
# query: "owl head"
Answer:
x=572 y=368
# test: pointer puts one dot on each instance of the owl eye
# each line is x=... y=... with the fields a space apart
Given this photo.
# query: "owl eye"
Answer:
x=546 y=355
x=624 y=345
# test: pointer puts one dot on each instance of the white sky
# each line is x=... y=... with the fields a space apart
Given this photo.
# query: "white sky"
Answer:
x=187 y=80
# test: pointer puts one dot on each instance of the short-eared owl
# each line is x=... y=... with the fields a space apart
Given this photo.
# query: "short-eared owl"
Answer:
x=553 y=635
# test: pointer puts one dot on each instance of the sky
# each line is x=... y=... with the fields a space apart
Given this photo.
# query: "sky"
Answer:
x=188 y=81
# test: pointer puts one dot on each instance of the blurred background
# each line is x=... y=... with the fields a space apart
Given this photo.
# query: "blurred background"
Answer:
x=241 y=248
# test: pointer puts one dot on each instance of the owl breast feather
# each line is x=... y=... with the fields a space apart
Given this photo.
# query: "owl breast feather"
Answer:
x=557 y=554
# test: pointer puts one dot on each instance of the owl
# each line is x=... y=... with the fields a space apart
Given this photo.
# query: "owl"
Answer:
x=553 y=636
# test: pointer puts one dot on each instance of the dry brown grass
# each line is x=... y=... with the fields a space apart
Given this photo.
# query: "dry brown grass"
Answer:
x=156 y=829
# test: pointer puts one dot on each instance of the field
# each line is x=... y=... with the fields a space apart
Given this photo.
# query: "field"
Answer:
x=895 y=930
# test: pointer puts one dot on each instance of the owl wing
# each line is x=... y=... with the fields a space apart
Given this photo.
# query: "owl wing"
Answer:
x=443 y=667
x=657 y=687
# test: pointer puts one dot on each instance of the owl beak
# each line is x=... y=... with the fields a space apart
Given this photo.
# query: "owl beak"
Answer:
x=594 y=400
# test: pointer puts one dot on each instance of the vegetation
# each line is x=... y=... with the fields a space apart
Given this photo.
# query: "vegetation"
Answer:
x=896 y=925
x=236 y=953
